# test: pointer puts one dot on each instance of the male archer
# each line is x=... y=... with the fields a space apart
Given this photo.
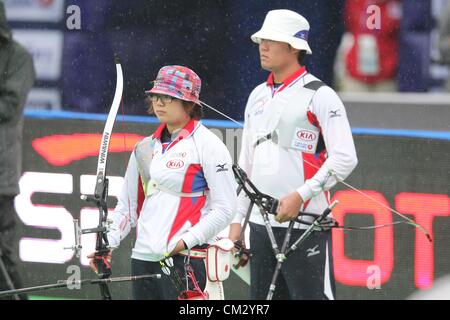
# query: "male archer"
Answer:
x=296 y=145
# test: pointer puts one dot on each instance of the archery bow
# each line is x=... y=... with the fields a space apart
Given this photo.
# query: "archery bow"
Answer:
x=406 y=220
x=101 y=194
x=101 y=191
x=269 y=205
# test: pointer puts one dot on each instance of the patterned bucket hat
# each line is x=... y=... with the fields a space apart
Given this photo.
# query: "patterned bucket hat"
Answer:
x=179 y=82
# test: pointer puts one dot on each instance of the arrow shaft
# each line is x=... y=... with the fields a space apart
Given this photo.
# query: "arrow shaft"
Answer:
x=62 y=284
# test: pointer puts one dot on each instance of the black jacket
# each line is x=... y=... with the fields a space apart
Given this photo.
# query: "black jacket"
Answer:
x=16 y=79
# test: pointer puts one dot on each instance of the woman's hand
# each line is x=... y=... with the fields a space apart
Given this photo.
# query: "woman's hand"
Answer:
x=178 y=248
x=235 y=234
x=235 y=231
x=93 y=263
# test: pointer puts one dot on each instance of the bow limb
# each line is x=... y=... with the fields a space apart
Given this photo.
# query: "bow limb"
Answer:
x=104 y=146
x=101 y=190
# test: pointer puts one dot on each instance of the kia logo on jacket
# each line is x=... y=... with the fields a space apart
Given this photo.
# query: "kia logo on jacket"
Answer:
x=174 y=164
x=306 y=135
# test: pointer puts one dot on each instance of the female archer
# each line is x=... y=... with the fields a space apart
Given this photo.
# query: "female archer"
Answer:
x=179 y=190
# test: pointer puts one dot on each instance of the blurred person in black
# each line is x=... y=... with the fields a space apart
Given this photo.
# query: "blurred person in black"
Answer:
x=444 y=38
x=16 y=79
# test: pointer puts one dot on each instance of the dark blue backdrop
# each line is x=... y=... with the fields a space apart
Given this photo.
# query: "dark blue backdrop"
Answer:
x=211 y=37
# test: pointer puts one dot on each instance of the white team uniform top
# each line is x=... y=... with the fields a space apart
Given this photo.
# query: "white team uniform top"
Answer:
x=276 y=170
x=196 y=161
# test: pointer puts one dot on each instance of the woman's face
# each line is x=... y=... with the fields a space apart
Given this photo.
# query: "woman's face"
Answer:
x=169 y=110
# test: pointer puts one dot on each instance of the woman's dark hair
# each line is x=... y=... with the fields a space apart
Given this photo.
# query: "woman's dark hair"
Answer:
x=195 y=111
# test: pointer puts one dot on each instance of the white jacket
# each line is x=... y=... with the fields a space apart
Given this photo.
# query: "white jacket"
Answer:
x=277 y=170
x=197 y=160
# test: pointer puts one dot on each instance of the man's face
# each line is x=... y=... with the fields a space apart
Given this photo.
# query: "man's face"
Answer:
x=276 y=55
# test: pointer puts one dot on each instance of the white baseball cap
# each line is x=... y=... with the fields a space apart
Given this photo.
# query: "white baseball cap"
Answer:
x=285 y=26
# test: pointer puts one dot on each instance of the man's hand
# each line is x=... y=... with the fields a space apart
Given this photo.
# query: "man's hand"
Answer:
x=289 y=207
